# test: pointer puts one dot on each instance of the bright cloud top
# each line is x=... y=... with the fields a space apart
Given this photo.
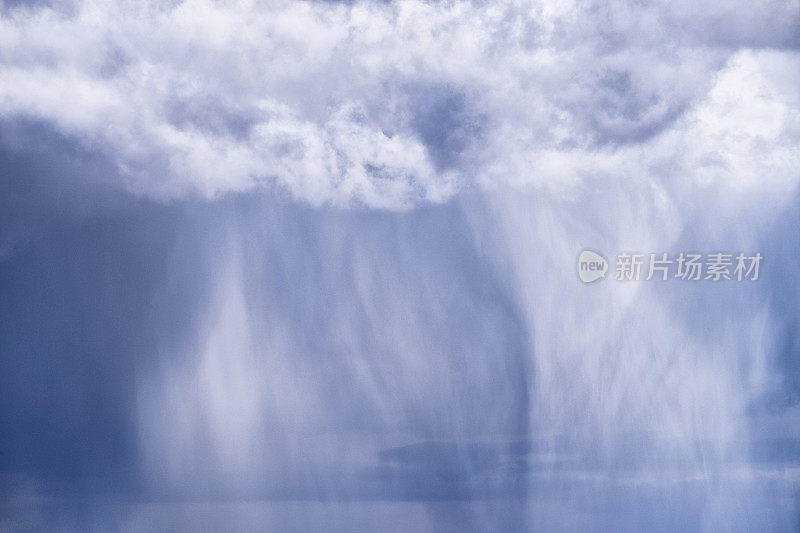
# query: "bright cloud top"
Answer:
x=392 y=104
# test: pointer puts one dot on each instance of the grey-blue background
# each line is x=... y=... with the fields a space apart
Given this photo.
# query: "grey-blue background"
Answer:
x=201 y=328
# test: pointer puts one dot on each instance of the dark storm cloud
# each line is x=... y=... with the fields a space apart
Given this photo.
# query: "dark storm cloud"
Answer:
x=177 y=326
x=382 y=104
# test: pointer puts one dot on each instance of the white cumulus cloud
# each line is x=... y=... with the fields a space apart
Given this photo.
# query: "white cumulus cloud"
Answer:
x=392 y=104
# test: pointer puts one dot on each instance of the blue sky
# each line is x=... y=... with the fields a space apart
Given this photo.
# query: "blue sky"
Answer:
x=310 y=266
